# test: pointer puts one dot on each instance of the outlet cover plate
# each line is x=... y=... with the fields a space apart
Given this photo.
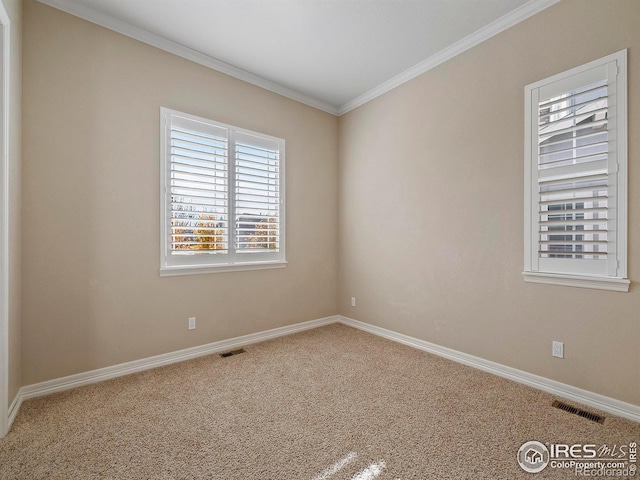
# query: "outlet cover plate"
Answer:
x=557 y=349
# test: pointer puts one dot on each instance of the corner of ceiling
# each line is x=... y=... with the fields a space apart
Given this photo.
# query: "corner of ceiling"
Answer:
x=522 y=13
x=503 y=23
x=142 y=35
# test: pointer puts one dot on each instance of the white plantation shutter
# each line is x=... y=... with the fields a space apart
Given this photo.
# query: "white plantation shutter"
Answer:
x=222 y=198
x=257 y=194
x=576 y=218
x=574 y=175
x=199 y=203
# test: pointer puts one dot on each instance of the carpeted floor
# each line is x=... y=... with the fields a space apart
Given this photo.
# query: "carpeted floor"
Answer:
x=331 y=403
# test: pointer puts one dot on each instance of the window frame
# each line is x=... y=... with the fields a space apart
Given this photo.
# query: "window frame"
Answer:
x=202 y=264
x=573 y=276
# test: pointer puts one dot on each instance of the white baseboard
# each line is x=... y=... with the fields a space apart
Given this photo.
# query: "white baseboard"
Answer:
x=595 y=400
x=14 y=408
x=101 y=374
x=601 y=402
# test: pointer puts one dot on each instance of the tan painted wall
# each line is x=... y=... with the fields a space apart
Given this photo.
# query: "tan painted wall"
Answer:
x=92 y=292
x=431 y=208
x=14 y=9
x=430 y=202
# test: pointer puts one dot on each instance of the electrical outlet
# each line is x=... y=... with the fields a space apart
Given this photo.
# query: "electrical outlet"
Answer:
x=192 y=323
x=353 y=301
x=557 y=349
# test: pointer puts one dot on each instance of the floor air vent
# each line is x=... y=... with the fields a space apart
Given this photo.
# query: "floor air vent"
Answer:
x=232 y=352
x=576 y=411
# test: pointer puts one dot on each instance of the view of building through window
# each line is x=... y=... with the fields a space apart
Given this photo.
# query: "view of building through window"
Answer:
x=572 y=130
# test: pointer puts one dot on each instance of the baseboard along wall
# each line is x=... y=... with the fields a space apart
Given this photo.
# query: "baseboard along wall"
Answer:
x=107 y=373
x=601 y=402
x=585 y=397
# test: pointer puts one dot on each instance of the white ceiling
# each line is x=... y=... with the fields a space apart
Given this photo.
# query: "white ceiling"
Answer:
x=333 y=54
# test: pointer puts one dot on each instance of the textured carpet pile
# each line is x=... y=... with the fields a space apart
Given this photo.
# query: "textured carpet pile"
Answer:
x=332 y=403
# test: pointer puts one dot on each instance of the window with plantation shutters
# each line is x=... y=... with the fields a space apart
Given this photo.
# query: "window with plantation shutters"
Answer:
x=575 y=177
x=222 y=197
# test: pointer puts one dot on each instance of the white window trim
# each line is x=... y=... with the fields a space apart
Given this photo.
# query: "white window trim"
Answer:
x=173 y=271
x=167 y=269
x=618 y=283
x=5 y=75
x=600 y=283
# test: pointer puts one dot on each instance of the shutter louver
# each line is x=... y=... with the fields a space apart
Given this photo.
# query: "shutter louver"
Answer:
x=199 y=188
x=257 y=199
x=573 y=175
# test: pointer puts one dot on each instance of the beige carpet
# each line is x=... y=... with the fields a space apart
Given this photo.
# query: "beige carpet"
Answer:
x=332 y=403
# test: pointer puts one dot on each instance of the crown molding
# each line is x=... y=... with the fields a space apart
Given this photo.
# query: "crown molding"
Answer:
x=124 y=28
x=522 y=13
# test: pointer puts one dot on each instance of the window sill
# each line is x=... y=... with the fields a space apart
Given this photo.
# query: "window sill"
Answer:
x=201 y=269
x=580 y=281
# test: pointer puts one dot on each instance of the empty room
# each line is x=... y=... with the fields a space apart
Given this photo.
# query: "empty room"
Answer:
x=319 y=239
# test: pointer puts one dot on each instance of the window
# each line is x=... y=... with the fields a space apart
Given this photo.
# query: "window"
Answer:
x=576 y=177
x=222 y=205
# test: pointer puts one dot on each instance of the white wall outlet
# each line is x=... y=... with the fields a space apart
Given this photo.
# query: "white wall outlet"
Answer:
x=557 y=349
x=192 y=323
x=353 y=301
